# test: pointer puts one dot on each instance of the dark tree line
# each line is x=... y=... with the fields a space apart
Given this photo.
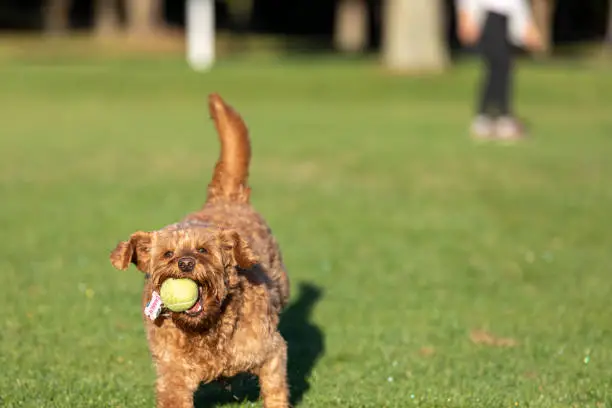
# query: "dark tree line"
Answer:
x=411 y=34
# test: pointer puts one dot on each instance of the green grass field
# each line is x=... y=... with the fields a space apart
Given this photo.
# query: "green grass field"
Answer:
x=403 y=235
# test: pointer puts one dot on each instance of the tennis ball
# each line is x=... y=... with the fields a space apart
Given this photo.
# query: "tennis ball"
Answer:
x=179 y=295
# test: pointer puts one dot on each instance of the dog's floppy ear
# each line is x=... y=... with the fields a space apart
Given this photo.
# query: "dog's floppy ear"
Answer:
x=236 y=250
x=136 y=250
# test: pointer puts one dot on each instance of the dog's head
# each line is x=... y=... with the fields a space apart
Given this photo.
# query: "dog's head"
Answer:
x=210 y=257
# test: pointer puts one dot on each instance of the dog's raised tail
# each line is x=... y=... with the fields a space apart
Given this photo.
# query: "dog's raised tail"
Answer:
x=230 y=178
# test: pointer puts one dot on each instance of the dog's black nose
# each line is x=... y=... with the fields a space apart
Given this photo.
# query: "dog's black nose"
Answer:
x=186 y=264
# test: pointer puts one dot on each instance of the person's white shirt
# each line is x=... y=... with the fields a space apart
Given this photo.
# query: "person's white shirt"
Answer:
x=517 y=11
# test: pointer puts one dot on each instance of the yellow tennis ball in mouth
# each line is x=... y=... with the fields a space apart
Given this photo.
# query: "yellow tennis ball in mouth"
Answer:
x=179 y=295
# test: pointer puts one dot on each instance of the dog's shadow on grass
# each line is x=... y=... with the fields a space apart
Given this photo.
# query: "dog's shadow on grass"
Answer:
x=306 y=345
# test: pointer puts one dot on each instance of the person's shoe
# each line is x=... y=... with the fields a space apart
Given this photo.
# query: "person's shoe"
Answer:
x=509 y=129
x=482 y=128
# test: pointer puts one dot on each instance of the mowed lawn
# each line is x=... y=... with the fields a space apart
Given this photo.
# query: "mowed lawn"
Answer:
x=427 y=270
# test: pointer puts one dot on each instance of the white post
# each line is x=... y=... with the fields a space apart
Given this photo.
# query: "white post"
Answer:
x=200 y=34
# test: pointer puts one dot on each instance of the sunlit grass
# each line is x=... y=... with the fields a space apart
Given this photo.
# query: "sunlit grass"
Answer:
x=414 y=235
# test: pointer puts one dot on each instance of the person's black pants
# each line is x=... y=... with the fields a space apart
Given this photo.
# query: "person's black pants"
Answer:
x=496 y=87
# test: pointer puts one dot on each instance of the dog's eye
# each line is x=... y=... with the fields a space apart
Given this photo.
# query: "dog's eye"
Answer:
x=168 y=254
x=203 y=250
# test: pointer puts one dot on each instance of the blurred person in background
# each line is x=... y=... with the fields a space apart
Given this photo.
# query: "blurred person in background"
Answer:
x=494 y=26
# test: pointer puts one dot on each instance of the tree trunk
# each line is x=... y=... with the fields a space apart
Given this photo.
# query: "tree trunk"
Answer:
x=351 y=26
x=413 y=35
x=106 y=17
x=144 y=17
x=609 y=28
x=200 y=33
x=56 y=16
x=240 y=12
x=543 y=15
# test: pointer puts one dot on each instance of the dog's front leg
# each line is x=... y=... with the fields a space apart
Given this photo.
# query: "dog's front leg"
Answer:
x=273 y=377
x=174 y=388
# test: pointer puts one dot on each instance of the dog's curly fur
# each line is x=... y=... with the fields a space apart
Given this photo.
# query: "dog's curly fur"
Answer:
x=242 y=280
